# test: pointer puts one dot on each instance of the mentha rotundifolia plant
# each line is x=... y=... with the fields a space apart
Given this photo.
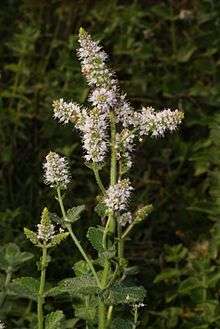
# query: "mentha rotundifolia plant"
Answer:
x=110 y=129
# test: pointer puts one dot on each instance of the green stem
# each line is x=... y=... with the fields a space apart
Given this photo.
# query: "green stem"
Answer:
x=7 y=281
x=98 y=180
x=135 y=317
x=101 y=314
x=127 y=231
x=76 y=241
x=109 y=315
x=120 y=245
x=110 y=225
x=40 y=300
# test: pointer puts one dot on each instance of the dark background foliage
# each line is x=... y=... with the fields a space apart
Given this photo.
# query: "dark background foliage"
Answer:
x=166 y=54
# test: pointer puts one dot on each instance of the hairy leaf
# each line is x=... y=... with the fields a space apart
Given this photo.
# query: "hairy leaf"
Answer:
x=53 y=320
x=122 y=294
x=74 y=213
x=57 y=239
x=11 y=256
x=85 y=285
x=25 y=287
x=95 y=236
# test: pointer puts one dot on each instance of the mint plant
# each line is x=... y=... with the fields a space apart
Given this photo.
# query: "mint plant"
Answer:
x=190 y=281
x=103 y=289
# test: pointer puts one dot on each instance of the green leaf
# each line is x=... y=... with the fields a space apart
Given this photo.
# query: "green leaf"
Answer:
x=213 y=279
x=81 y=268
x=101 y=209
x=32 y=236
x=85 y=285
x=168 y=274
x=11 y=257
x=86 y=312
x=119 y=323
x=53 y=320
x=95 y=236
x=175 y=253
x=57 y=239
x=74 y=213
x=122 y=294
x=25 y=287
x=188 y=285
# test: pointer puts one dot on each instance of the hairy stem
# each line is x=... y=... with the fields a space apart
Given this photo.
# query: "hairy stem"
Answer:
x=120 y=245
x=127 y=231
x=40 y=300
x=75 y=240
x=98 y=180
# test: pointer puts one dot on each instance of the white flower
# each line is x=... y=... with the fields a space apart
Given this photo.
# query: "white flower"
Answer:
x=125 y=218
x=150 y=122
x=117 y=196
x=64 y=111
x=94 y=126
x=124 y=112
x=93 y=61
x=45 y=232
x=125 y=146
x=103 y=98
x=56 y=171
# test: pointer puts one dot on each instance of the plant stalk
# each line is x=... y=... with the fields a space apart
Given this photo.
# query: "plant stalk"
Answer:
x=76 y=241
x=40 y=300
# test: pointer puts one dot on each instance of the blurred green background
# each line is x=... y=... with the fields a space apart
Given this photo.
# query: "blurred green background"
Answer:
x=166 y=54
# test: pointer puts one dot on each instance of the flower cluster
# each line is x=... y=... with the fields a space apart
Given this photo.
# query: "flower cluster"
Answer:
x=117 y=196
x=66 y=112
x=150 y=122
x=45 y=232
x=56 y=171
x=125 y=146
x=125 y=218
x=93 y=127
x=93 y=62
x=105 y=97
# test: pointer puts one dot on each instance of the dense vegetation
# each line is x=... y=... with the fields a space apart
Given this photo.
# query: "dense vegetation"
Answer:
x=166 y=55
